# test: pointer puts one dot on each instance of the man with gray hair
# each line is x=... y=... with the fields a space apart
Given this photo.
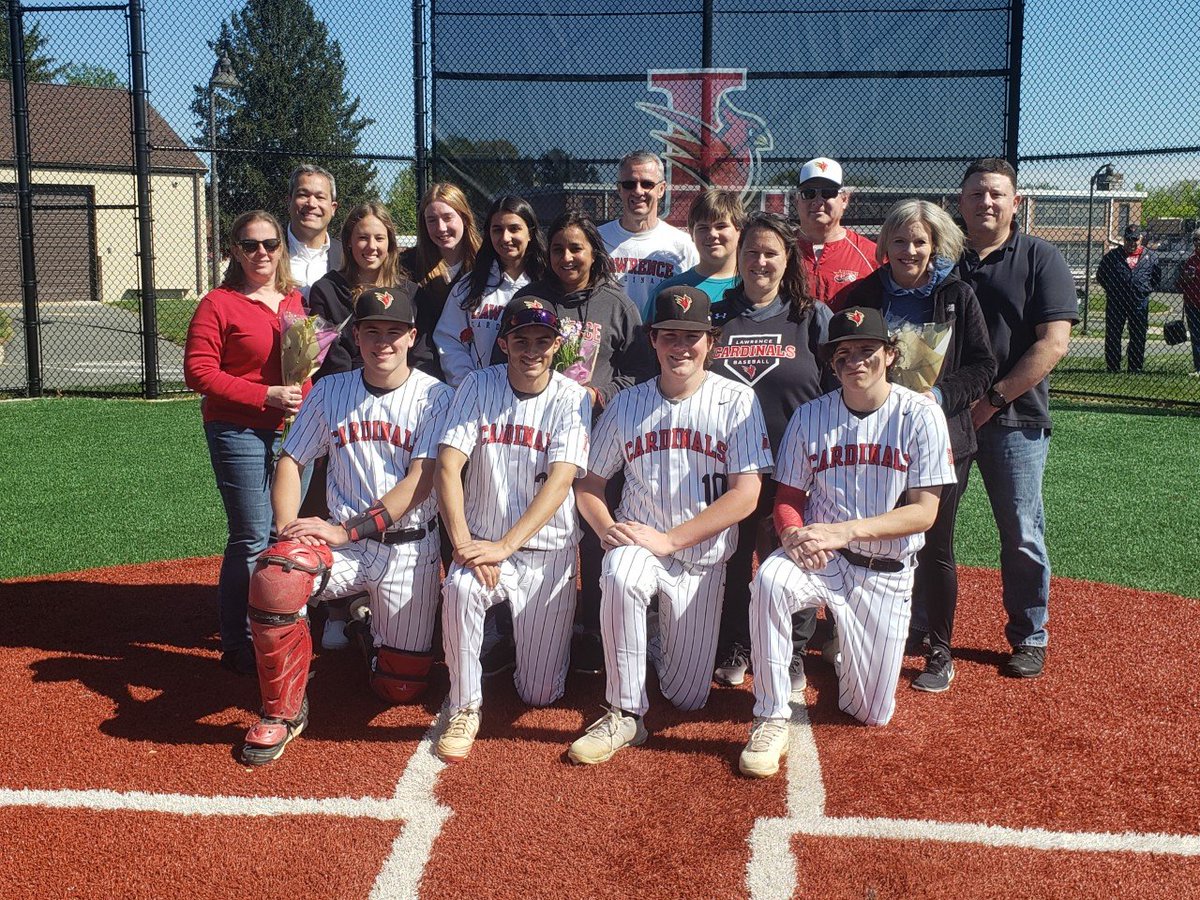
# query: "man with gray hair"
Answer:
x=644 y=249
x=312 y=201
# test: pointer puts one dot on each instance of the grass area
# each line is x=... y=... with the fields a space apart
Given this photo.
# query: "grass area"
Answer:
x=102 y=482
x=174 y=315
x=1164 y=379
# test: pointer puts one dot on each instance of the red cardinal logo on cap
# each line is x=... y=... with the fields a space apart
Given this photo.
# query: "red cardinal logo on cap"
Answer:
x=822 y=165
x=683 y=302
x=385 y=299
x=533 y=304
x=856 y=317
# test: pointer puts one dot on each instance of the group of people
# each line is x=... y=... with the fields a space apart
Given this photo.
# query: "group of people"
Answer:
x=636 y=413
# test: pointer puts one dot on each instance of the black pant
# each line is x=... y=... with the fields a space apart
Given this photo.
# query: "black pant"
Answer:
x=735 y=614
x=1119 y=312
x=935 y=583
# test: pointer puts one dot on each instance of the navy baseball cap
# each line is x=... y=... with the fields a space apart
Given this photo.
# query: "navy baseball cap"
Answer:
x=856 y=323
x=683 y=309
x=387 y=304
x=525 y=311
x=1132 y=232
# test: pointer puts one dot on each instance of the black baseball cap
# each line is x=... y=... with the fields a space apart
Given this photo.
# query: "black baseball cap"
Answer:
x=1132 y=232
x=387 y=304
x=856 y=323
x=682 y=309
x=525 y=311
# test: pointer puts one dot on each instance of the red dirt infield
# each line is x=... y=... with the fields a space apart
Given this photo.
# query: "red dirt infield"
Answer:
x=120 y=774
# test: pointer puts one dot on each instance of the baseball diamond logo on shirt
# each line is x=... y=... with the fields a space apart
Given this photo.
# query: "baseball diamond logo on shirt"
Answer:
x=751 y=356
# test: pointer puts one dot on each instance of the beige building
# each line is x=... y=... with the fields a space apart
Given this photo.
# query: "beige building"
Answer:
x=85 y=195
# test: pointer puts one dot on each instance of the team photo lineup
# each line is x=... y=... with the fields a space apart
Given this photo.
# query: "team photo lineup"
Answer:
x=542 y=448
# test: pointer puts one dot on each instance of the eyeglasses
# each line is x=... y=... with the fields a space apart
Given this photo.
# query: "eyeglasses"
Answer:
x=249 y=246
x=825 y=193
x=645 y=184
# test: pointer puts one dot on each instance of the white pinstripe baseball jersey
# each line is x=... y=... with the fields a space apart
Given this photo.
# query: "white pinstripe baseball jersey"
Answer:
x=856 y=466
x=678 y=455
x=511 y=442
x=370 y=436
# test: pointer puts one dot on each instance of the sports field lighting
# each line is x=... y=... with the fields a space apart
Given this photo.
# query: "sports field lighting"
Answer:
x=1107 y=171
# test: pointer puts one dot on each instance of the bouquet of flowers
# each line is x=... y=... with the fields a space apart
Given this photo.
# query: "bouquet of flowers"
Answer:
x=922 y=352
x=304 y=342
x=576 y=358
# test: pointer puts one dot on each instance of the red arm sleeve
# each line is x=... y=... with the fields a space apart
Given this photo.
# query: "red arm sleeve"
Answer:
x=789 y=508
x=202 y=359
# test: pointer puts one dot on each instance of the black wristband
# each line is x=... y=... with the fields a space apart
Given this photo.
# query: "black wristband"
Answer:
x=372 y=523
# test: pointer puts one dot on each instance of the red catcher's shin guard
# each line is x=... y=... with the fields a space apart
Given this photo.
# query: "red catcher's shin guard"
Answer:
x=399 y=676
x=282 y=650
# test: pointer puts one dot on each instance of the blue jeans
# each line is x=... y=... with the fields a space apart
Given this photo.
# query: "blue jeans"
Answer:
x=1011 y=462
x=243 y=461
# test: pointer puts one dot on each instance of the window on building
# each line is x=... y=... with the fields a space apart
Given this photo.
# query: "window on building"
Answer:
x=1068 y=213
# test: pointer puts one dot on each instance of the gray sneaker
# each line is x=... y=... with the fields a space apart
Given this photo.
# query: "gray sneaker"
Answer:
x=455 y=742
x=938 y=674
x=767 y=746
x=796 y=674
x=733 y=668
x=606 y=736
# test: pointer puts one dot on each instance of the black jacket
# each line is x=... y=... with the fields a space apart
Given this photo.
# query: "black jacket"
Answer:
x=1125 y=285
x=329 y=298
x=969 y=366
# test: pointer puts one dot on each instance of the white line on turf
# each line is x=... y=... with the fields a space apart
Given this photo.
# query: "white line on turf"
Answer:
x=771 y=871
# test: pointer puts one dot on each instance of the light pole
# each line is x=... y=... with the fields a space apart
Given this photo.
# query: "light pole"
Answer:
x=222 y=77
x=1107 y=171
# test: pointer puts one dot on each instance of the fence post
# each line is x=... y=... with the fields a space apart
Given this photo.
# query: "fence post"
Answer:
x=145 y=220
x=20 y=110
x=1012 y=123
x=419 y=115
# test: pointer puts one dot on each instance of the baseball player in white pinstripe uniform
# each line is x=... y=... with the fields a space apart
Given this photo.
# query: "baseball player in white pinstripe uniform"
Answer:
x=379 y=427
x=860 y=472
x=693 y=446
x=524 y=430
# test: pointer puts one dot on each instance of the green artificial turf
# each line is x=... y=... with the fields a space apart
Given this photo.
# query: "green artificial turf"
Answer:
x=102 y=482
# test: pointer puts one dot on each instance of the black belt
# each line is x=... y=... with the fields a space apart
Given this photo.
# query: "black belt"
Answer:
x=408 y=535
x=874 y=563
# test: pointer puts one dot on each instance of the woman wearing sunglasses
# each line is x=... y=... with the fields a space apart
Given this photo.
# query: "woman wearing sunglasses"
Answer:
x=232 y=359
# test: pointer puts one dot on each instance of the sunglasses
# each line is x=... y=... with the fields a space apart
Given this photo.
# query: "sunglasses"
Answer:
x=645 y=184
x=249 y=246
x=824 y=193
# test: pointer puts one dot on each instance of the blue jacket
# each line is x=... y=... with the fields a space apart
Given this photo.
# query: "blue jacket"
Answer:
x=1125 y=285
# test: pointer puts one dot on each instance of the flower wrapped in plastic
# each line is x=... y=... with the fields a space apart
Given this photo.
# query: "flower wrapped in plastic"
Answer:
x=304 y=343
x=577 y=356
x=922 y=353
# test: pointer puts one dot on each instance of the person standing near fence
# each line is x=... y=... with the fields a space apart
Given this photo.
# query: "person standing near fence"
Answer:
x=834 y=256
x=1189 y=283
x=312 y=201
x=232 y=358
x=1028 y=299
x=1128 y=274
x=645 y=250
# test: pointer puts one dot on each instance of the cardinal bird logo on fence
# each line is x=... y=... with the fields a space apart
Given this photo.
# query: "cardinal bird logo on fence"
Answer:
x=708 y=142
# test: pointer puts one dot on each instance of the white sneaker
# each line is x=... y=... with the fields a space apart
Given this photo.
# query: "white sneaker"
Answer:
x=456 y=741
x=768 y=745
x=606 y=736
x=334 y=635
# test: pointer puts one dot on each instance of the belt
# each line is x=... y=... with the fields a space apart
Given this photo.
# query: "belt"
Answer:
x=874 y=563
x=408 y=535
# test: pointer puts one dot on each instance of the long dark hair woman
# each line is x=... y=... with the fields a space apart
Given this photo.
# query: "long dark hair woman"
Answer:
x=512 y=255
x=771 y=328
x=232 y=358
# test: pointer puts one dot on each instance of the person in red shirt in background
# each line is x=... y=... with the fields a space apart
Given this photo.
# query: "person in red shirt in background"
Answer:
x=232 y=359
x=1189 y=283
x=834 y=257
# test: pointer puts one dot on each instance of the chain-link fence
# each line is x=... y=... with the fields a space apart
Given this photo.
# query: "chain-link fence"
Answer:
x=542 y=98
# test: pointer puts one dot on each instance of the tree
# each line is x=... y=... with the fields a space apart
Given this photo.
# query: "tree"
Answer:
x=401 y=200
x=91 y=76
x=556 y=167
x=291 y=107
x=484 y=169
x=39 y=65
x=1178 y=200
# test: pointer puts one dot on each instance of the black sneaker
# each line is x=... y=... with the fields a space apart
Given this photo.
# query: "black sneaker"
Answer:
x=1025 y=662
x=587 y=654
x=939 y=672
x=500 y=658
x=796 y=673
x=733 y=666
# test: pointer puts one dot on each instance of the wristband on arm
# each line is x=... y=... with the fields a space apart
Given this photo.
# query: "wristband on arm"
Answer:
x=372 y=523
x=789 y=508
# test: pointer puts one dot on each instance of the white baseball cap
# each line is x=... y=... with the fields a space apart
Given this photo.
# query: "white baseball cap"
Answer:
x=821 y=169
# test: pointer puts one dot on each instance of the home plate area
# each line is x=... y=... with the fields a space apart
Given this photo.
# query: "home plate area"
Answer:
x=121 y=776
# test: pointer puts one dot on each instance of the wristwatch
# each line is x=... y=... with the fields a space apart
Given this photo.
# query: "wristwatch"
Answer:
x=996 y=398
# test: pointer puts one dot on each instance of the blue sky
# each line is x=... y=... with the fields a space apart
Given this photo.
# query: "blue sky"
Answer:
x=1096 y=77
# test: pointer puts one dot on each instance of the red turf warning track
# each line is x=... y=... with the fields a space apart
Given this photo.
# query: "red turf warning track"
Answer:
x=112 y=684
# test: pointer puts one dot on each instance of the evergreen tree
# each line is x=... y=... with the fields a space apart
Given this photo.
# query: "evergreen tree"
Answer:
x=86 y=75
x=39 y=65
x=291 y=107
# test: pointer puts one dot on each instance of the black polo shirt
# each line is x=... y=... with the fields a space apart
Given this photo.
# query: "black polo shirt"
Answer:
x=1021 y=285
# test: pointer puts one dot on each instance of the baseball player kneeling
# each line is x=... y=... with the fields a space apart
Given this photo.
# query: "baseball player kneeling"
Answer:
x=523 y=429
x=860 y=471
x=693 y=446
x=379 y=427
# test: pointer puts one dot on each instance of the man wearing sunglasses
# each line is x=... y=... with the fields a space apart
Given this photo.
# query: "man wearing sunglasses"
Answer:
x=834 y=257
x=644 y=249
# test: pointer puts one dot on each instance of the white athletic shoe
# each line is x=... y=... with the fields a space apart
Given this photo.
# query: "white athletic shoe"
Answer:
x=334 y=635
x=768 y=745
x=456 y=741
x=606 y=736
